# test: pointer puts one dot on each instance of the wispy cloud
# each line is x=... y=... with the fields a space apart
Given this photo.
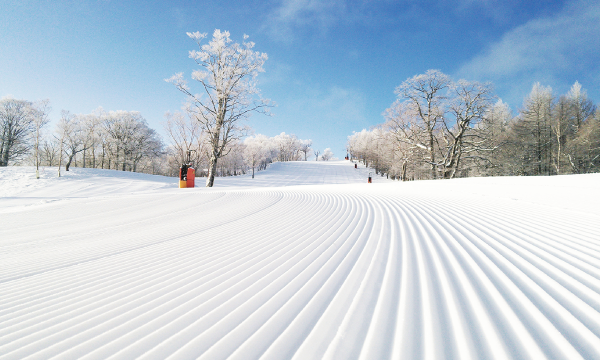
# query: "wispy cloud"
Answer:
x=555 y=50
x=291 y=14
x=335 y=105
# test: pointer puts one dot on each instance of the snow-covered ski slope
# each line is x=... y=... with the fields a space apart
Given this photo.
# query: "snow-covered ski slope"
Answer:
x=306 y=261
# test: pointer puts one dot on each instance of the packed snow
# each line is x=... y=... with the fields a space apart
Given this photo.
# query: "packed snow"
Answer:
x=306 y=261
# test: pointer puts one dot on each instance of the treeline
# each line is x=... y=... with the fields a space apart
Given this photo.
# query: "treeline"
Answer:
x=122 y=140
x=439 y=128
x=252 y=153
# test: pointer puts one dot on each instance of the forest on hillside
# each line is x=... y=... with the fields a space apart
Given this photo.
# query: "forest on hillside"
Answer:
x=440 y=128
x=437 y=128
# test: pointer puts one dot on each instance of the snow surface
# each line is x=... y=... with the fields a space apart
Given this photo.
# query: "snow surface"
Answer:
x=305 y=261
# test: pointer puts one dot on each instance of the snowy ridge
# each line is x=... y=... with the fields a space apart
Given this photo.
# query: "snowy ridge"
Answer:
x=286 y=269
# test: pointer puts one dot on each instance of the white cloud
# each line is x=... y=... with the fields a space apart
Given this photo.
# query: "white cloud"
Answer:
x=293 y=13
x=551 y=50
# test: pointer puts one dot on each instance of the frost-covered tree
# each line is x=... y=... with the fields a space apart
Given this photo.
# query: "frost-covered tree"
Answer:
x=584 y=149
x=233 y=163
x=17 y=125
x=327 y=154
x=256 y=150
x=185 y=134
x=288 y=147
x=493 y=159
x=469 y=103
x=435 y=120
x=92 y=126
x=424 y=99
x=533 y=133
x=473 y=136
x=40 y=120
x=70 y=129
x=49 y=151
x=227 y=76
x=305 y=148
x=581 y=109
x=130 y=139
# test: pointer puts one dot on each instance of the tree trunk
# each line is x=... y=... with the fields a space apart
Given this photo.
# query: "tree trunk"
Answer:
x=431 y=153
x=68 y=164
x=216 y=151
x=212 y=168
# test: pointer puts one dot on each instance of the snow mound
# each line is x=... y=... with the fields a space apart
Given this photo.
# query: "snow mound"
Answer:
x=306 y=261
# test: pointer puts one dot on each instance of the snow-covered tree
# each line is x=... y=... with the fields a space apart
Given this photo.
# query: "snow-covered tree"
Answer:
x=256 y=150
x=327 y=154
x=186 y=135
x=305 y=148
x=17 y=125
x=40 y=120
x=288 y=147
x=71 y=130
x=227 y=73
x=533 y=132
x=424 y=103
x=455 y=129
x=127 y=140
x=581 y=109
x=468 y=105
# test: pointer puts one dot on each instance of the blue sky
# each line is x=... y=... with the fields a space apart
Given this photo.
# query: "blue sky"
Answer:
x=333 y=65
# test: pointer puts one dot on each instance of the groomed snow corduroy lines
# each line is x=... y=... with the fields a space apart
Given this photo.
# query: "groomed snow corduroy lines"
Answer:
x=350 y=271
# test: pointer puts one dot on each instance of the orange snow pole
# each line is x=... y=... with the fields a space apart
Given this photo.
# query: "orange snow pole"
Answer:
x=191 y=176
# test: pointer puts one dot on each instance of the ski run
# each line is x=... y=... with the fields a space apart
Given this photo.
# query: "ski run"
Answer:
x=306 y=261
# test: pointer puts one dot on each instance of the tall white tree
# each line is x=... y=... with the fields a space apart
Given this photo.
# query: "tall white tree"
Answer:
x=424 y=97
x=469 y=105
x=227 y=76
